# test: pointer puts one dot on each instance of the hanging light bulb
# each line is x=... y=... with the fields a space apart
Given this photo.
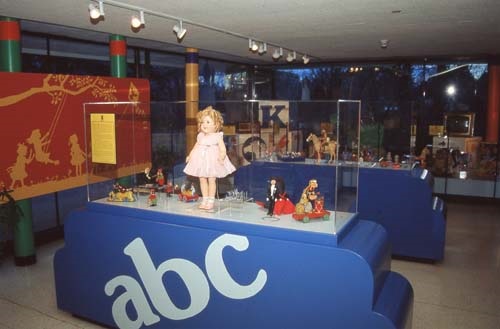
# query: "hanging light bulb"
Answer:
x=138 y=22
x=277 y=53
x=96 y=12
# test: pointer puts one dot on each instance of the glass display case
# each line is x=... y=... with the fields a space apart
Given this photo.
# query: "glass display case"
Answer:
x=136 y=152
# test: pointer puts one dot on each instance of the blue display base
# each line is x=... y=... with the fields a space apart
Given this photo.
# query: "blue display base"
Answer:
x=398 y=199
x=138 y=268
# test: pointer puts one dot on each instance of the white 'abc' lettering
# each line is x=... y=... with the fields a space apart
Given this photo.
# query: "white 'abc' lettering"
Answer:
x=220 y=277
x=193 y=277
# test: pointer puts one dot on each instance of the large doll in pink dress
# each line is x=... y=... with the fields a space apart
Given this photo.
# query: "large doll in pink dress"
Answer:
x=208 y=160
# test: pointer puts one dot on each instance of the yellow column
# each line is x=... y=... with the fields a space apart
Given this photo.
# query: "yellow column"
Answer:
x=192 y=97
x=493 y=104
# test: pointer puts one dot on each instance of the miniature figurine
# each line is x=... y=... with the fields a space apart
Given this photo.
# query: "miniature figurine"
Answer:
x=208 y=159
x=310 y=204
x=152 y=200
x=396 y=164
x=329 y=147
x=160 y=179
x=283 y=205
x=121 y=193
x=308 y=198
x=148 y=176
x=273 y=191
x=188 y=193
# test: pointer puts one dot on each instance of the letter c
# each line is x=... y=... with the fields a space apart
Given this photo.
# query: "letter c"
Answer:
x=218 y=274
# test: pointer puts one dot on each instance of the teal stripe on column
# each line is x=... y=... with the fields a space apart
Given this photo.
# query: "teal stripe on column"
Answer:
x=24 y=244
x=9 y=63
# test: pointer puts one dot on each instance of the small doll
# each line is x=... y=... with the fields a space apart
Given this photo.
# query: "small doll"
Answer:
x=160 y=178
x=282 y=204
x=208 y=159
x=152 y=200
x=273 y=192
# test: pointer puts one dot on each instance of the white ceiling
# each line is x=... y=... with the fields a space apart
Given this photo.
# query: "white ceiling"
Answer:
x=326 y=30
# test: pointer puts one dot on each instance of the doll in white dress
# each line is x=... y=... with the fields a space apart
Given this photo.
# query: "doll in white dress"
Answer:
x=208 y=160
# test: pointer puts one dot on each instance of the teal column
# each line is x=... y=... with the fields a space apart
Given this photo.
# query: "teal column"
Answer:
x=118 y=56
x=10 y=61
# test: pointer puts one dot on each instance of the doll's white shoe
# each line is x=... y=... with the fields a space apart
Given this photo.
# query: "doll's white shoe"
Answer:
x=203 y=204
x=210 y=204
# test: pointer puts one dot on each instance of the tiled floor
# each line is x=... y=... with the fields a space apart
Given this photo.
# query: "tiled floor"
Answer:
x=462 y=292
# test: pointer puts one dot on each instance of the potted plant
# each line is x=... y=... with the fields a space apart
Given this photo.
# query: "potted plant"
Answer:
x=9 y=216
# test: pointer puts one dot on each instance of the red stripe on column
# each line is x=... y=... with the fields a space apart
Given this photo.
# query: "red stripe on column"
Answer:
x=9 y=30
x=117 y=48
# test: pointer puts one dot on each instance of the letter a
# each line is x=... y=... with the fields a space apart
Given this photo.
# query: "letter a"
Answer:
x=135 y=295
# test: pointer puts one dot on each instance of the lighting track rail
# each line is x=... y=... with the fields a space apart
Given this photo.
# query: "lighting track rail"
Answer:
x=181 y=31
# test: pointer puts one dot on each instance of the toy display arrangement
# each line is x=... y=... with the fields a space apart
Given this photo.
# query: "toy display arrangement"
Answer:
x=227 y=234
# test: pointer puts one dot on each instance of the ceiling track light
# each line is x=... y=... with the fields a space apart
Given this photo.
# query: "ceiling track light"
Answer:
x=252 y=45
x=262 y=48
x=96 y=12
x=277 y=53
x=138 y=22
x=179 y=30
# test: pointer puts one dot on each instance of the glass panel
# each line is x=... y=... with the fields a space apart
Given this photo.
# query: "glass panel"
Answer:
x=117 y=147
x=347 y=169
x=77 y=49
x=136 y=153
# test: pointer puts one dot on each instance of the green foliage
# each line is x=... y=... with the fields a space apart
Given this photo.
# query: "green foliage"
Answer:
x=9 y=216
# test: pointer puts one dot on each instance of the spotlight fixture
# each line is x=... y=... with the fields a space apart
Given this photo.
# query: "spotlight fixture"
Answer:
x=262 y=48
x=277 y=54
x=305 y=59
x=252 y=45
x=179 y=30
x=384 y=43
x=96 y=12
x=138 y=22
x=291 y=56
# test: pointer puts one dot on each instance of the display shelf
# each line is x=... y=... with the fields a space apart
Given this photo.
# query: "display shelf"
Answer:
x=136 y=267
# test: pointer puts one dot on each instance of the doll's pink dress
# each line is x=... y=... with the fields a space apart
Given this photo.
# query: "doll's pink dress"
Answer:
x=204 y=159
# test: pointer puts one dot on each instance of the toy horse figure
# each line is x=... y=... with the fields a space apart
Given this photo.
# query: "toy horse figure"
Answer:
x=328 y=146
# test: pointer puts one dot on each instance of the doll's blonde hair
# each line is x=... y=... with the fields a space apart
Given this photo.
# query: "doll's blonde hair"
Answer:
x=213 y=114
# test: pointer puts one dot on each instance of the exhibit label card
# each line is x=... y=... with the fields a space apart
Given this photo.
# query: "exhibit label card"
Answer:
x=103 y=137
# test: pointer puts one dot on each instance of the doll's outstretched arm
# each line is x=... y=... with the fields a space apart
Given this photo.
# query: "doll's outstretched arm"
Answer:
x=222 y=149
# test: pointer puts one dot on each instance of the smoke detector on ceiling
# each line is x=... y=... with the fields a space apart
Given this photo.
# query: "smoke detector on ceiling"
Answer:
x=384 y=43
